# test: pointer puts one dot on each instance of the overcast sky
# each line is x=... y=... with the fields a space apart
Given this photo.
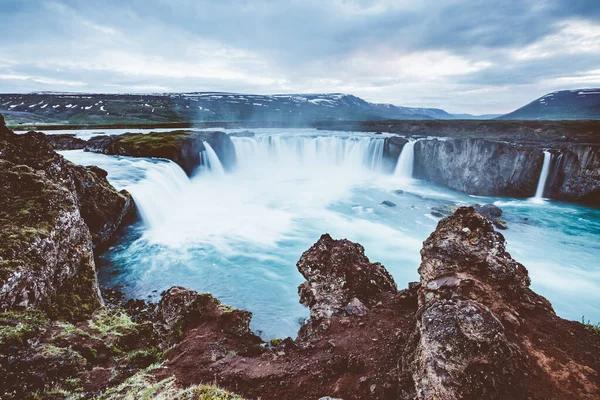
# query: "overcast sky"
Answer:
x=475 y=56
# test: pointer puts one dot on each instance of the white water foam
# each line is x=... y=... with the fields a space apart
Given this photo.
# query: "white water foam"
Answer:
x=539 y=193
x=404 y=167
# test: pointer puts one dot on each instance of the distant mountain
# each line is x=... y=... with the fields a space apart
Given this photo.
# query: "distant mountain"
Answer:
x=565 y=104
x=78 y=108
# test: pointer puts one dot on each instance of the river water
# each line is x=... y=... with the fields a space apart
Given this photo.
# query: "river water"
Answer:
x=239 y=234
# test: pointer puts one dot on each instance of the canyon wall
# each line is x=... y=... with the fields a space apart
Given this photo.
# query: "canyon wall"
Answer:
x=478 y=166
x=575 y=174
x=486 y=167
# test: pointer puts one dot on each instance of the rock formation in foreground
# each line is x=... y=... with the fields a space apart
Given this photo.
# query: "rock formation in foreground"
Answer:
x=470 y=329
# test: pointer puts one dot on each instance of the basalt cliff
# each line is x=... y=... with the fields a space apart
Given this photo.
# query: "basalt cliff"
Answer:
x=470 y=328
x=498 y=158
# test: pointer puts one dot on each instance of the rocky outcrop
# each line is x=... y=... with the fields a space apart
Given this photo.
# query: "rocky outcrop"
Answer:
x=102 y=207
x=46 y=257
x=53 y=213
x=478 y=166
x=182 y=147
x=478 y=323
x=66 y=141
x=339 y=277
x=181 y=309
x=575 y=174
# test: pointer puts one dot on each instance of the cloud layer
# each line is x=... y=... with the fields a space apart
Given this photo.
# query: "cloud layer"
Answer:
x=477 y=56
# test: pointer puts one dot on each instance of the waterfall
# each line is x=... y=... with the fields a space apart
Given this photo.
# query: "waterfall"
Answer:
x=157 y=192
x=404 y=167
x=539 y=193
x=308 y=152
x=209 y=161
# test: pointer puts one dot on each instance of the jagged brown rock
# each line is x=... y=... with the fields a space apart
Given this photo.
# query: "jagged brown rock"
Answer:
x=66 y=141
x=337 y=271
x=181 y=309
x=478 y=323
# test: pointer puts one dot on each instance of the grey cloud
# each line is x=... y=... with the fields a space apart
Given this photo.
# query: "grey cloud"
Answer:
x=300 y=41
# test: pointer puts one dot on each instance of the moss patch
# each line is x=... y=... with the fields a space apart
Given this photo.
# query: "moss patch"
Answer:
x=16 y=327
x=116 y=323
x=144 y=385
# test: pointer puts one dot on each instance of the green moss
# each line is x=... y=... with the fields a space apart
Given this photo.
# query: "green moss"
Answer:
x=73 y=384
x=589 y=325
x=52 y=351
x=226 y=308
x=67 y=329
x=209 y=392
x=77 y=299
x=16 y=327
x=275 y=342
x=144 y=386
x=142 y=358
x=155 y=141
x=116 y=323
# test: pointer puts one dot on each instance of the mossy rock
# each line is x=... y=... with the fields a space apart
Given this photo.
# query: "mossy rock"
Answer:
x=17 y=327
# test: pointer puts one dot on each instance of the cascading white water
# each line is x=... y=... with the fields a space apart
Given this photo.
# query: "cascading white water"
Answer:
x=240 y=235
x=306 y=152
x=210 y=163
x=157 y=193
x=154 y=184
x=539 y=193
x=404 y=167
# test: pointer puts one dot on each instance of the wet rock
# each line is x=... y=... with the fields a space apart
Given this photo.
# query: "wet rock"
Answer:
x=388 y=203
x=479 y=166
x=66 y=141
x=336 y=271
x=392 y=148
x=500 y=224
x=399 y=191
x=575 y=174
x=489 y=211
